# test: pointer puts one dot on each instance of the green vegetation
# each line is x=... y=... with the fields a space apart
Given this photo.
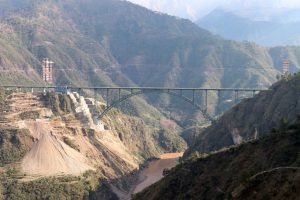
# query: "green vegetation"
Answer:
x=14 y=143
x=30 y=115
x=169 y=141
x=235 y=173
x=70 y=142
x=3 y=96
x=14 y=78
x=50 y=188
x=153 y=139
x=58 y=103
x=253 y=118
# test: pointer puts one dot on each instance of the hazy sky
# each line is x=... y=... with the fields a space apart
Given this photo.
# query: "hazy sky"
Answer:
x=194 y=9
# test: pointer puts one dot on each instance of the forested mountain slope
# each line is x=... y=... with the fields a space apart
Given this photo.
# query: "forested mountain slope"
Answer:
x=112 y=42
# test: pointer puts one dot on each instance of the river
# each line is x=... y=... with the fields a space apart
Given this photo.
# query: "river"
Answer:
x=154 y=171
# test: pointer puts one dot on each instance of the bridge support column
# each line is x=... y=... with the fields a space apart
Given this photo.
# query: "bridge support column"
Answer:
x=193 y=96
x=119 y=90
x=206 y=100
x=107 y=98
x=95 y=94
x=236 y=96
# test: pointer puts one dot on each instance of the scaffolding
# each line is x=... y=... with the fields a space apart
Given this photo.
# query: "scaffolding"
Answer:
x=48 y=70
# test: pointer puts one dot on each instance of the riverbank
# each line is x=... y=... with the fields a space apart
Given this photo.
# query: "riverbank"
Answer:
x=154 y=171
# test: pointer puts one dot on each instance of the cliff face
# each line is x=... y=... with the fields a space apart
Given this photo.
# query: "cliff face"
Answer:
x=253 y=118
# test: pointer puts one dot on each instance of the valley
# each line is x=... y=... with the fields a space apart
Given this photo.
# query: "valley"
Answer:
x=108 y=100
x=154 y=172
x=63 y=139
x=57 y=136
x=229 y=161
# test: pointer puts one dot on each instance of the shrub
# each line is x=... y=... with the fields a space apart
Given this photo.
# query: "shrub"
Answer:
x=70 y=142
x=30 y=115
x=58 y=103
x=12 y=148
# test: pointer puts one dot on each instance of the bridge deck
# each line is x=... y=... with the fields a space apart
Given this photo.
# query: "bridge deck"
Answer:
x=136 y=88
x=133 y=91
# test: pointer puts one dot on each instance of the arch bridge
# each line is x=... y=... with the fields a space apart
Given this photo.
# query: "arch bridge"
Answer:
x=116 y=95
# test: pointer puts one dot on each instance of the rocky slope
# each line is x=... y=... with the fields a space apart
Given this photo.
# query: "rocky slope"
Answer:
x=268 y=168
x=51 y=135
x=253 y=118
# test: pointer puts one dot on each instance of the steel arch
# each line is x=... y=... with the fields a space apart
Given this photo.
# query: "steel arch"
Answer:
x=170 y=92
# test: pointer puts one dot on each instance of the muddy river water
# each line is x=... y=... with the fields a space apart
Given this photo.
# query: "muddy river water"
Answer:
x=154 y=171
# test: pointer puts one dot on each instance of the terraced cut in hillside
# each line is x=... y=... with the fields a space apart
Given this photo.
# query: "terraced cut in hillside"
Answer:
x=63 y=137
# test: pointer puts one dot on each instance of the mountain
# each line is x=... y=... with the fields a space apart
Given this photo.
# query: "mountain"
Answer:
x=179 y=8
x=255 y=10
x=261 y=169
x=117 y=43
x=252 y=118
x=281 y=29
x=252 y=152
x=110 y=42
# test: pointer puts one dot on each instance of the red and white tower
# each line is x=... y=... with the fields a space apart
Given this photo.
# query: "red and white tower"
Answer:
x=285 y=67
x=48 y=70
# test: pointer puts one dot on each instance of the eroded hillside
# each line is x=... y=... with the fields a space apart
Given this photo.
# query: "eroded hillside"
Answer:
x=55 y=134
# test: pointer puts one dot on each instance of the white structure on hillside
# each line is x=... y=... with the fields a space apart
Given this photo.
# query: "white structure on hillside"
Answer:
x=86 y=111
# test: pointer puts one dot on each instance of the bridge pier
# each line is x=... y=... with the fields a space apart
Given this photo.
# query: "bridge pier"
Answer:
x=95 y=94
x=79 y=91
x=206 y=100
x=236 y=96
x=107 y=98
x=193 y=96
